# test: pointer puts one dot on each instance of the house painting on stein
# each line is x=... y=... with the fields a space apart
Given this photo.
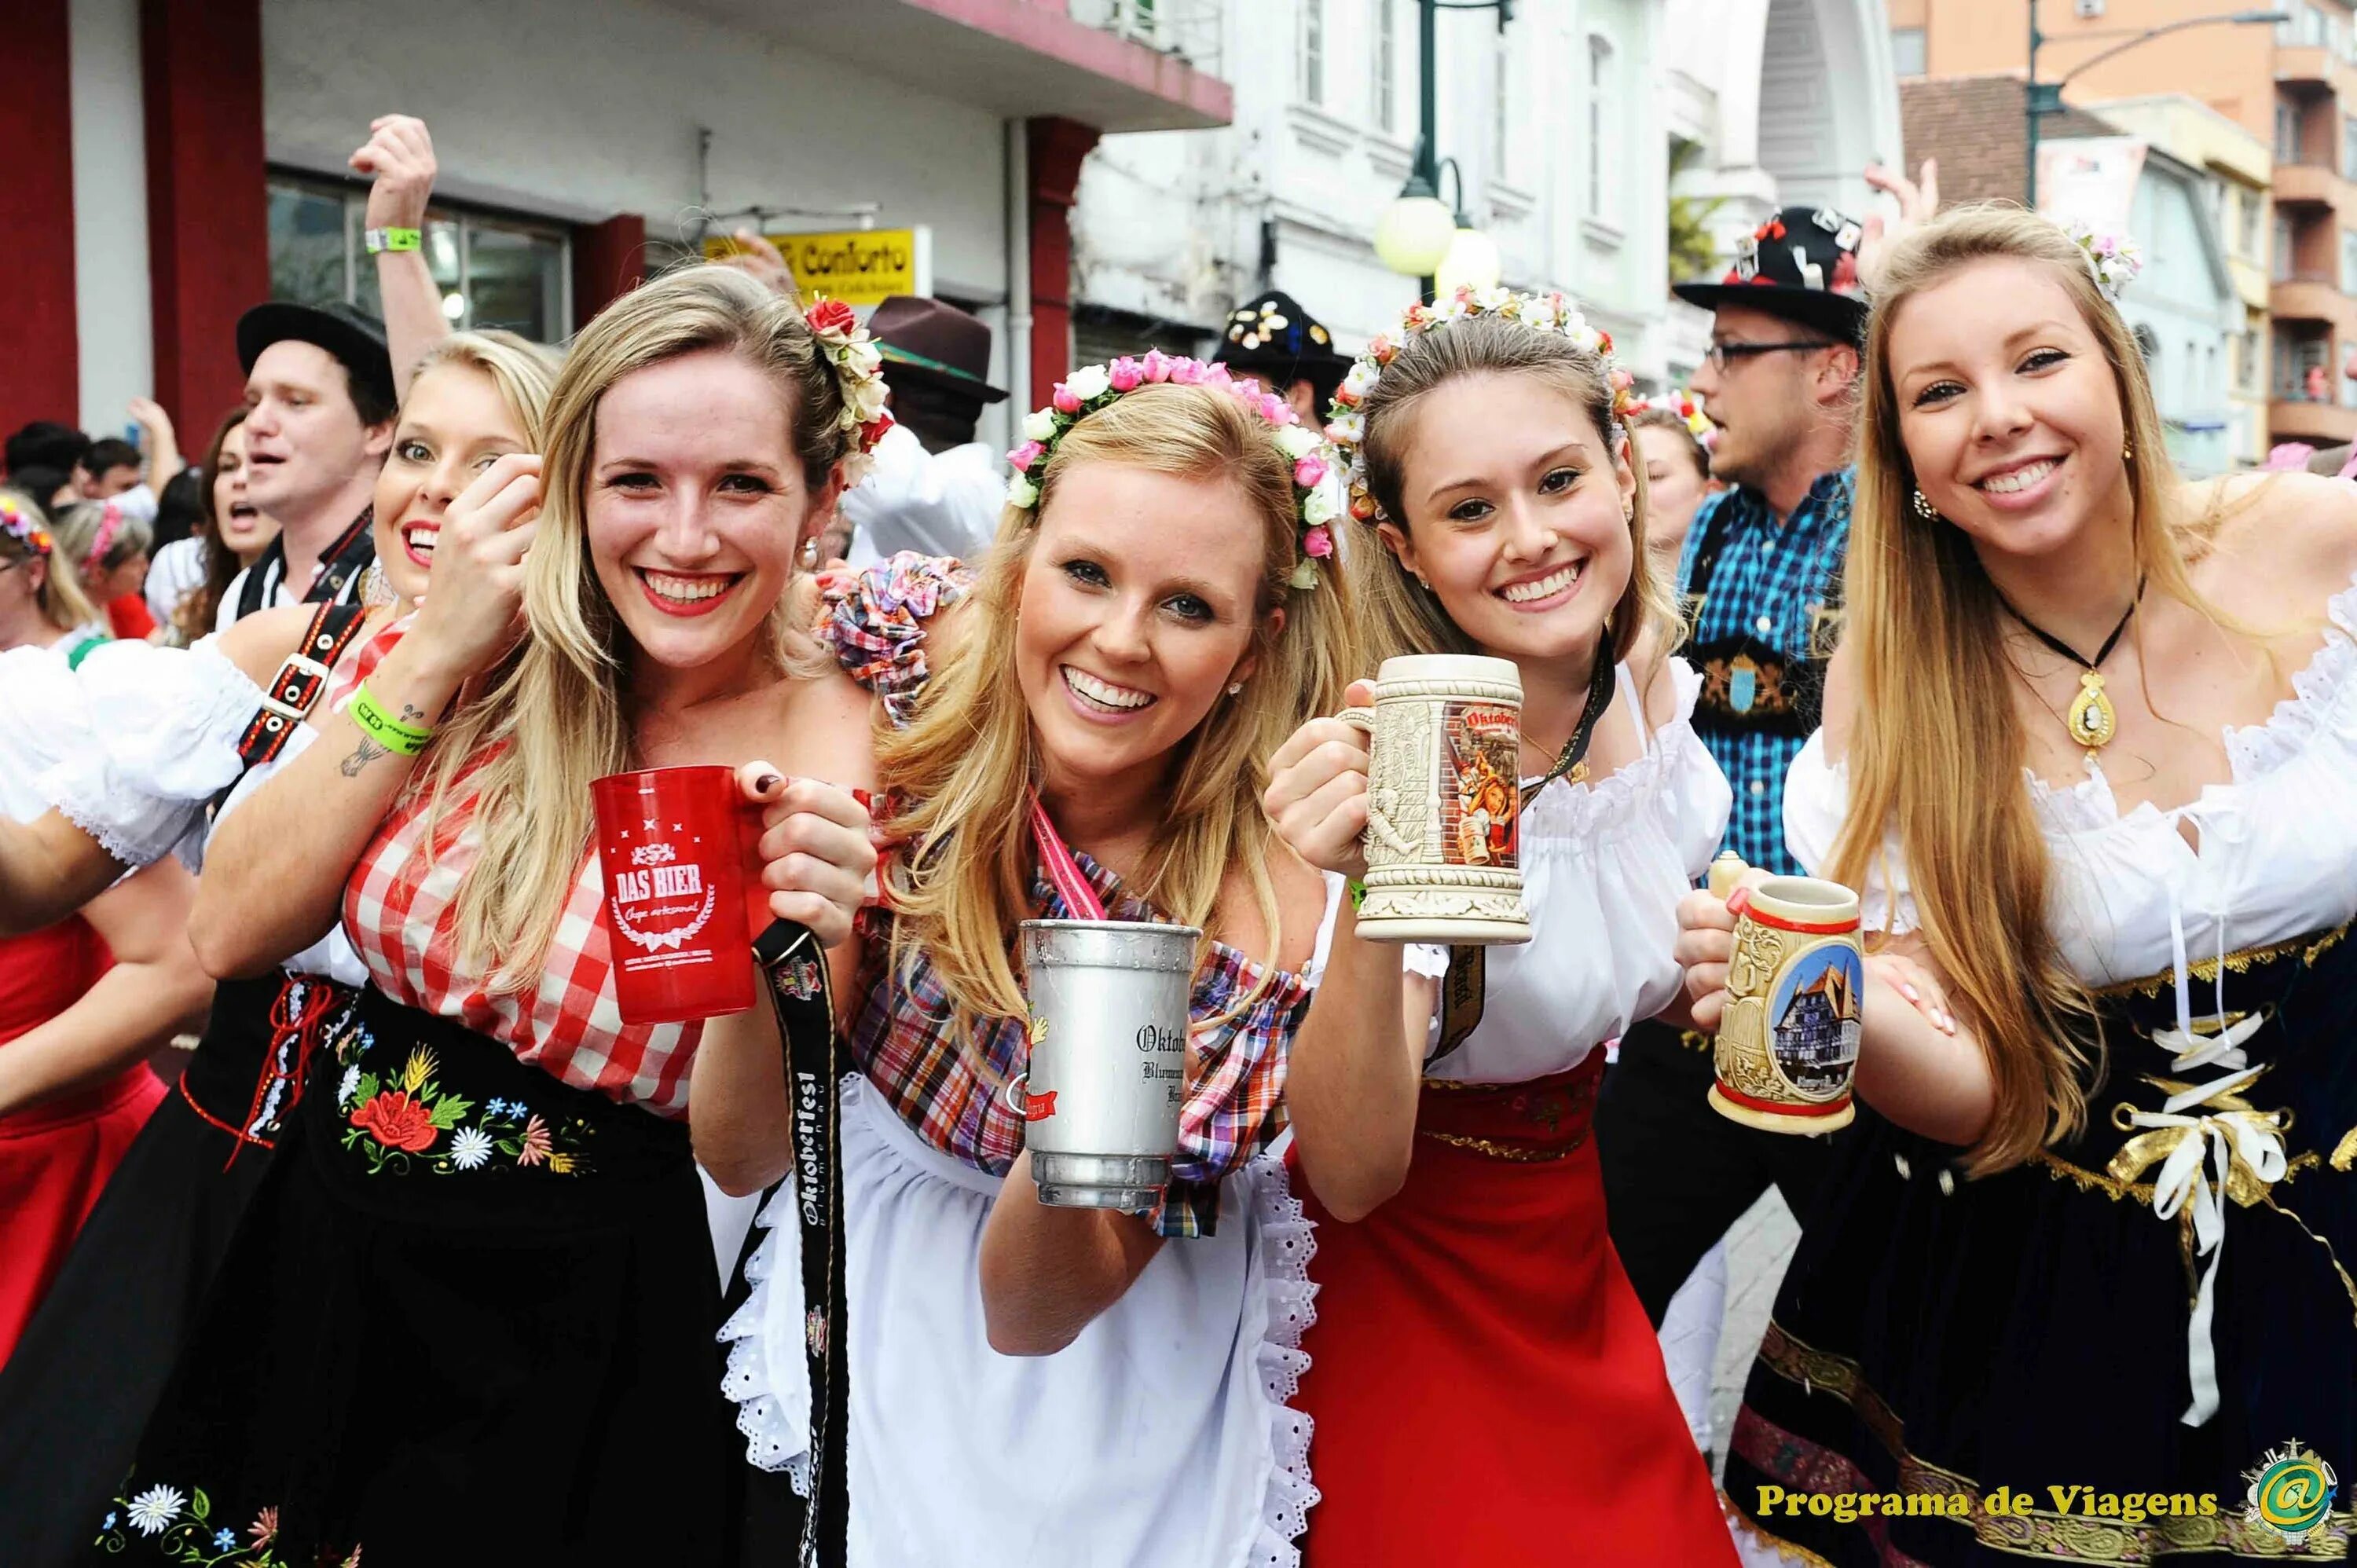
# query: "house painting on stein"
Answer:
x=1815 y=1006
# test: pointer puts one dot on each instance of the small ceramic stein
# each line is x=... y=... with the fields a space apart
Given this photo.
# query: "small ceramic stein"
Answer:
x=1788 y=1043
x=1443 y=793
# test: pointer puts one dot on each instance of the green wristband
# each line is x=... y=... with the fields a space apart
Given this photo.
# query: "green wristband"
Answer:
x=1357 y=891
x=380 y=239
x=405 y=740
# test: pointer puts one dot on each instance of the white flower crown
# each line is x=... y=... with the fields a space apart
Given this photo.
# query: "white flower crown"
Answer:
x=1346 y=427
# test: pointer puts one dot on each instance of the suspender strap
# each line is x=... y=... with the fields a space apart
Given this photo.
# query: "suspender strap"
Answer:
x=348 y=556
x=300 y=681
x=802 y=999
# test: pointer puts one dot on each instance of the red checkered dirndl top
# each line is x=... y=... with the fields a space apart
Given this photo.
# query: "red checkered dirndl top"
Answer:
x=399 y=911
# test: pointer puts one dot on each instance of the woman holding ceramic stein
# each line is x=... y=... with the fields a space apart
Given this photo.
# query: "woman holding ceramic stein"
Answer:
x=1468 y=1301
x=473 y=1310
x=1075 y=727
x=2087 y=757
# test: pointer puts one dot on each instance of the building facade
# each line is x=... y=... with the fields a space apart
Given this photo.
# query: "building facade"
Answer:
x=205 y=166
x=1563 y=127
x=2292 y=84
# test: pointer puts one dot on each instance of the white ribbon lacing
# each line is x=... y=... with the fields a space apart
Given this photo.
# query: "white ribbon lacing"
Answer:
x=2220 y=1140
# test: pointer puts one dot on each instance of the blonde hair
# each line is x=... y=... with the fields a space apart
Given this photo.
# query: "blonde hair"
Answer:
x=1939 y=752
x=60 y=597
x=1403 y=616
x=968 y=759
x=554 y=717
x=76 y=531
x=523 y=371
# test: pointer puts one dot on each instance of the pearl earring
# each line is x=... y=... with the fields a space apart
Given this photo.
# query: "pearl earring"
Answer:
x=1236 y=687
x=1925 y=510
x=810 y=554
x=2127 y=452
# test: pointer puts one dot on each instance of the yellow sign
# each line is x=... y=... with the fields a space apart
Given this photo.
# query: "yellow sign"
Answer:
x=858 y=266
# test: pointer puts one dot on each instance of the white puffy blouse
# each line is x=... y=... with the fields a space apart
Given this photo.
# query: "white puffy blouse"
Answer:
x=133 y=745
x=1604 y=865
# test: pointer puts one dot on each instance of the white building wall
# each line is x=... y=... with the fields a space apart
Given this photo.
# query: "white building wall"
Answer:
x=599 y=109
x=1789 y=98
x=114 y=308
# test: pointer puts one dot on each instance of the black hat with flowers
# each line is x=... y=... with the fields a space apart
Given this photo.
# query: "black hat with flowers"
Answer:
x=1800 y=266
x=1274 y=341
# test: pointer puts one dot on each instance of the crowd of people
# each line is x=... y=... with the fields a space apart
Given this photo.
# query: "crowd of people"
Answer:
x=425 y=1253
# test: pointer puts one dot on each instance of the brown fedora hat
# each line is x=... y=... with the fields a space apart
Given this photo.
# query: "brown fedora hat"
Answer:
x=934 y=341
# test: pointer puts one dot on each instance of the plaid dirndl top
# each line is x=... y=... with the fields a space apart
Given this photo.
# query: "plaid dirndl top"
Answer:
x=951 y=1090
x=401 y=915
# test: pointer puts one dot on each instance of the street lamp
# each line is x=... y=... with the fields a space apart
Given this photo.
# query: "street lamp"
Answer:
x=1418 y=234
x=2044 y=98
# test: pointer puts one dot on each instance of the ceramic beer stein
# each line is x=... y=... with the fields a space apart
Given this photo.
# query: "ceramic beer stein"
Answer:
x=1788 y=1043
x=1108 y=1070
x=1443 y=792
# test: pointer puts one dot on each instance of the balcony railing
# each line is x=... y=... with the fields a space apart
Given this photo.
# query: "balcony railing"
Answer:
x=1192 y=30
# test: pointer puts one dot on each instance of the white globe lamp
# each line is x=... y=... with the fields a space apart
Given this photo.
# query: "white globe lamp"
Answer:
x=1414 y=233
x=1471 y=261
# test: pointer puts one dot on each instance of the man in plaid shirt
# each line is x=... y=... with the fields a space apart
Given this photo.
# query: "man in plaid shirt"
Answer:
x=1762 y=578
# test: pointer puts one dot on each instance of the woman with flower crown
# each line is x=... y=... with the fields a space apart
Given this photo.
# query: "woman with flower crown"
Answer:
x=471 y=1312
x=1076 y=726
x=2082 y=1293
x=1472 y=1321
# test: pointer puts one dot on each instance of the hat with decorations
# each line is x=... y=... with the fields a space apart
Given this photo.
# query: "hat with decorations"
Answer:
x=1273 y=341
x=1800 y=266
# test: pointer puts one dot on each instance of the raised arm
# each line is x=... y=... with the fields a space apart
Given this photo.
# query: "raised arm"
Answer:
x=154 y=991
x=1358 y=1062
x=276 y=871
x=162 y=443
x=399 y=157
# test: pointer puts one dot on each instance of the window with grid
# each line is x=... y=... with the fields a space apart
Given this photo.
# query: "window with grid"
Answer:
x=494 y=270
x=1385 y=100
x=1602 y=122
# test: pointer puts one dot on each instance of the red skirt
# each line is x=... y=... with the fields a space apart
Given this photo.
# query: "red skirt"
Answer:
x=54 y=1162
x=1485 y=1388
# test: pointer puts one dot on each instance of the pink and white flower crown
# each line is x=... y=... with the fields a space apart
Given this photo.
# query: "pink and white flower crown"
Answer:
x=1092 y=387
x=859 y=368
x=1346 y=427
x=23 y=526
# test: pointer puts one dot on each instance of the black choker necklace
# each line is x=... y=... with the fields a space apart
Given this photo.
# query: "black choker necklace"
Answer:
x=1600 y=683
x=2092 y=720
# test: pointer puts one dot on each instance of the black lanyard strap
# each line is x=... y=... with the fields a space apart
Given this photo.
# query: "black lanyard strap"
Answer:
x=1463 y=992
x=803 y=1000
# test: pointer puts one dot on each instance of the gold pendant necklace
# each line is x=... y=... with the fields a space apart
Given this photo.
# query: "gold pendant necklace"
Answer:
x=2092 y=720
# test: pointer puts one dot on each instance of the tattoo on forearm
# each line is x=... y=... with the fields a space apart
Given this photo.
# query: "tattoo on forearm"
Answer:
x=367 y=751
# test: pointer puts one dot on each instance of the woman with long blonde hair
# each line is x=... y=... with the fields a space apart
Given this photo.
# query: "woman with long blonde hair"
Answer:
x=150 y=739
x=494 y=1202
x=2087 y=757
x=1079 y=725
x=1468 y=1293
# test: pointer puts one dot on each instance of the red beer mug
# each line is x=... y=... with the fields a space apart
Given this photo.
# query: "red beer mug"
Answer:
x=674 y=844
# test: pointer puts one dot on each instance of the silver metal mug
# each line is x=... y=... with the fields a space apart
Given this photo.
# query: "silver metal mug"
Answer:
x=1108 y=1070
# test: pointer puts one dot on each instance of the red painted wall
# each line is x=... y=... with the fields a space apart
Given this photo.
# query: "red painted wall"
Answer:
x=1056 y=147
x=42 y=378
x=208 y=208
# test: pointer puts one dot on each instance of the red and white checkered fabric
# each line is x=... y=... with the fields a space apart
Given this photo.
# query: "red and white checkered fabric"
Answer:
x=398 y=912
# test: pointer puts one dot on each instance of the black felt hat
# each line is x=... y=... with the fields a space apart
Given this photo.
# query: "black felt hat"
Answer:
x=352 y=336
x=1801 y=265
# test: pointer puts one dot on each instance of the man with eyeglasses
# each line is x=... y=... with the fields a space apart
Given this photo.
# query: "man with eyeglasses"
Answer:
x=1762 y=581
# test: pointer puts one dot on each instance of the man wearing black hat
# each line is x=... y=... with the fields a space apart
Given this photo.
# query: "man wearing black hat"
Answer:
x=1762 y=578
x=934 y=488
x=1274 y=342
x=318 y=389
